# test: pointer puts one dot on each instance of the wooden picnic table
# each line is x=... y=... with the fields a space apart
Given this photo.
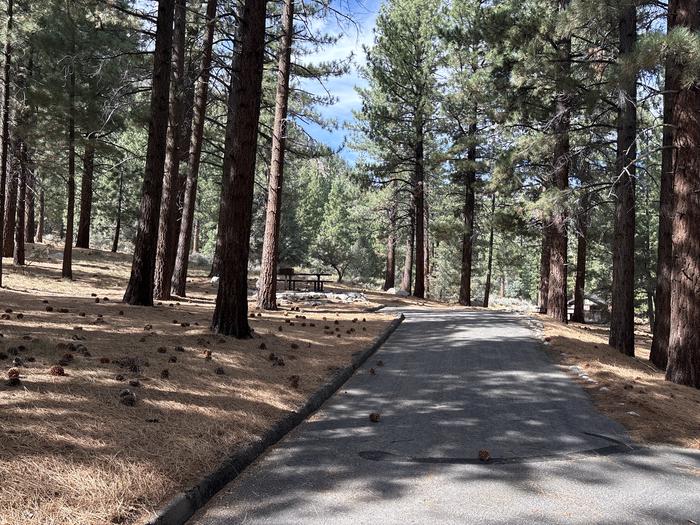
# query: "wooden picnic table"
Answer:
x=289 y=276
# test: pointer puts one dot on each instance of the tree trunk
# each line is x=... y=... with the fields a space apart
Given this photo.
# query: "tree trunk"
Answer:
x=267 y=294
x=684 y=342
x=29 y=213
x=231 y=311
x=545 y=259
x=118 y=222
x=662 y=324
x=390 y=271
x=179 y=281
x=419 y=207
x=408 y=260
x=168 y=204
x=557 y=295
x=581 y=249
x=140 y=288
x=622 y=318
x=18 y=255
x=426 y=243
x=83 y=239
x=11 y=203
x=4 y=148
x=468 y=235
x=67 y=269
x=42 y=218
x=489 y=265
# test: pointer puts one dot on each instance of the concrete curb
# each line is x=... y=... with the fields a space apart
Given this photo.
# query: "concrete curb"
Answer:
x=183 y=505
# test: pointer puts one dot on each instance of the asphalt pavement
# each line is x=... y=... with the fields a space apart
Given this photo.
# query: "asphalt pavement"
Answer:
x=449 y=385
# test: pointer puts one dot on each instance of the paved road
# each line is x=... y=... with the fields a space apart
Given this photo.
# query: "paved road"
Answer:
x=454 y=383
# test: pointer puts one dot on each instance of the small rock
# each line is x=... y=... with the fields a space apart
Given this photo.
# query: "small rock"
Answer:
x=632 y=413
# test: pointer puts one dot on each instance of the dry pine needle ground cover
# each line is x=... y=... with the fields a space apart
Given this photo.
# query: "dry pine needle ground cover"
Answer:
x=630 y=390
x=74 y=451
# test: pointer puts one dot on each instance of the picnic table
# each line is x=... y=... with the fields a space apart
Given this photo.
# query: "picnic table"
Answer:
x=292 y=279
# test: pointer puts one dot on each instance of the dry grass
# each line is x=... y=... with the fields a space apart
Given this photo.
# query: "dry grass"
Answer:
x=629 y=390
x=72 y=453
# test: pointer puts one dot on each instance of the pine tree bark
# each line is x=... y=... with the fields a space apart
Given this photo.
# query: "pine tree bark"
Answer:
x=42 y=218
x=468 y=236
x=140 y=288
x=684 y=342
x=581 y=253
x=489 y=264
x=408 y=259
x=390 y=270
x=179 y=281
x=165 y=249
x=662 y=322
x=11 y=203
x=231 y=310
x=4 y=146
x=267 y=294
x=67 y=268
x=29 y=214
x=18 y=255
x=622 y=316
x=118 y=222
x=557 y=293
x=419 y=207
x=86 y=195
x=545 y=259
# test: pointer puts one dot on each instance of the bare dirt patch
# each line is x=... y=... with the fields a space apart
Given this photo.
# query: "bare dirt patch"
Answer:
x=75 y=451
x=630 y=390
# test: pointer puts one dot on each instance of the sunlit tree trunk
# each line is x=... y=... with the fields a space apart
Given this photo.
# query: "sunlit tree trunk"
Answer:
x=139 y=291
x=267 y=294
x=165 y=248
x=662 y=322
x=684 y=342
x=179 y=281
x=622 y=318
x=231 y=310
x=83 y=238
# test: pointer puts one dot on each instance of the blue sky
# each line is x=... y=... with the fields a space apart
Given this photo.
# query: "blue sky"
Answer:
x=364 y=13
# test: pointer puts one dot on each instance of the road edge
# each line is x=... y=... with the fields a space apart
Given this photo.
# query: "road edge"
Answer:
x=184 y=504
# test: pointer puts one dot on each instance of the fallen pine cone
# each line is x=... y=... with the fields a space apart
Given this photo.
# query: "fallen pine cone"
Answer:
x=13 y=373
x=164 y=374
x=380 y=363
x=219 y=370
x=127 y=397
x=374 y=417
x=372 y=371
x=57 y=370
x=294 y=380
x=484 y=455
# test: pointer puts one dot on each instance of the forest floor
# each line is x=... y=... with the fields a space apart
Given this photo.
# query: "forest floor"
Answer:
x=73 y=453
x=630 y=390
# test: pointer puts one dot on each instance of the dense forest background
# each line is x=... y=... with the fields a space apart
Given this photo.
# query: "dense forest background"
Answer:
x=521 y=149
